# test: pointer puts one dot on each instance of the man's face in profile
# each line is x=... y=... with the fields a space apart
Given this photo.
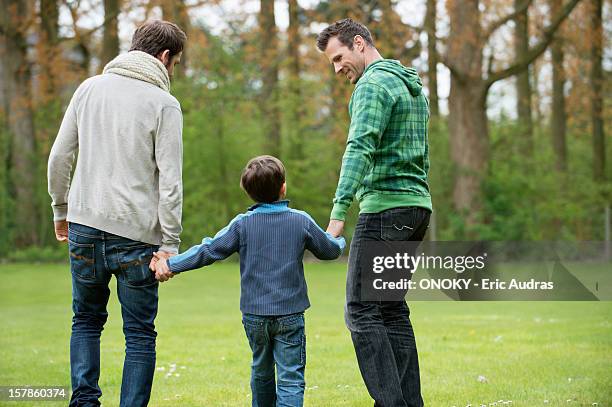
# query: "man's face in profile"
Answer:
x=170 y=62
x=350 y=63
x=173 y=61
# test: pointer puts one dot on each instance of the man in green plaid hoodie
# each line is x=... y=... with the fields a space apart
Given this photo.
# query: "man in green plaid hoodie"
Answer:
x=385 y=167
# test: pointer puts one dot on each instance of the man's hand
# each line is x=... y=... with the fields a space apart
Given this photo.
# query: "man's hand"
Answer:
x=159 y=255
x=61 y=230
x=335 y=227
x=162 y=272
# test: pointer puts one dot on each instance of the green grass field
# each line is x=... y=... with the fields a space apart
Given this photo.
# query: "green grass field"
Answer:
x=526 y=352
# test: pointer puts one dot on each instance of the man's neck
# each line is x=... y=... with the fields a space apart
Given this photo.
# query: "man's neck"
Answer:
x=372 y=55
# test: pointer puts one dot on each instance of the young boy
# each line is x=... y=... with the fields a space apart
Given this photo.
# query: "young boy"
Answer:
x=270 y=239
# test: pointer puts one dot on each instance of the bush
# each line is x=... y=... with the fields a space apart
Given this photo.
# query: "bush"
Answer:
x=35 y=254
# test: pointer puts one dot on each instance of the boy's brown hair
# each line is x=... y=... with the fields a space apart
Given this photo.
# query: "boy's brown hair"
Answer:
x=262 y=178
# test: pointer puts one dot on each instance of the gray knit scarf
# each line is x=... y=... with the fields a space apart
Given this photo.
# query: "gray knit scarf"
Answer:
x=142 y=66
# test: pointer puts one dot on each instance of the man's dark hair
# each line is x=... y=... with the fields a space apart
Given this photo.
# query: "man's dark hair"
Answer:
x=262 y=178
x=345 y=30
x=154 y=37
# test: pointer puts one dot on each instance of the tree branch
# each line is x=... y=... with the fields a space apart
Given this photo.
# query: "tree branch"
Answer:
x=490 y=64
x=537 y=49
x=451 y=67
x=497 y=24
x=417 y=28
x=82 y=35
x=197 y=4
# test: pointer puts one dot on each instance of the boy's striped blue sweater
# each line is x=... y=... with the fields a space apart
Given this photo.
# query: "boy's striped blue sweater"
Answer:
x=270 y=239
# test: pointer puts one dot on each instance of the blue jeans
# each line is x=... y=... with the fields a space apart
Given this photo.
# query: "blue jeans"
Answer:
x=280 y=341
x=94 y=257
x=381 y=330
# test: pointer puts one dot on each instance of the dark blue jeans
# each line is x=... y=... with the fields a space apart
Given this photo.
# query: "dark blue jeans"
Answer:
x=381 y=330
x=94 y=257
x=280 y=341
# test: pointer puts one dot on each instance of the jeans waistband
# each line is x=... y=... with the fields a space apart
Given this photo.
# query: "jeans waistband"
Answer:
x=280 y=318
x=373 y=219
x=93 y=233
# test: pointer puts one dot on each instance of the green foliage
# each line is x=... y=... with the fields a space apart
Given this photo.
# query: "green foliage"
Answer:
x=35 y=254
x=6 y=203
x=47 y=118
x=525 y=197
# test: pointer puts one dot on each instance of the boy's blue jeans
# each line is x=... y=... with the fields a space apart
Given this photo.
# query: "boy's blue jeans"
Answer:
x=94 y=257
x=280 y=341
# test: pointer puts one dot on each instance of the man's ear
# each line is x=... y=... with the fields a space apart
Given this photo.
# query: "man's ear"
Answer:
x=359 y=42
x=164 y=57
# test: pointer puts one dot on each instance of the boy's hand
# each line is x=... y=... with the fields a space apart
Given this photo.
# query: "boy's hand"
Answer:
x=335 y=227
x=162 y=272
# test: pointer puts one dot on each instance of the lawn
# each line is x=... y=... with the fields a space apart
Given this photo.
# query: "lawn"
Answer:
x=532 y=353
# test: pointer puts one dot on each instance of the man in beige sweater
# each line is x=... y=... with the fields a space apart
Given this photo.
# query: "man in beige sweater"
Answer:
x=122 y=205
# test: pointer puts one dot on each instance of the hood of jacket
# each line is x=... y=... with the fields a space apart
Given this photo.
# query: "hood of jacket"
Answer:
x=408 y=75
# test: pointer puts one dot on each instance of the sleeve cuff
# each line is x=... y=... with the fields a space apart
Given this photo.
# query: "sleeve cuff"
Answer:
x=170 y=248
x=338 y=212
x=170 y=267
x=342 y=243
x=60 y=212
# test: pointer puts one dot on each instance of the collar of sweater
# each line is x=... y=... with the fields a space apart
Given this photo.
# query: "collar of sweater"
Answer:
x=264 y=207
x=142 y=66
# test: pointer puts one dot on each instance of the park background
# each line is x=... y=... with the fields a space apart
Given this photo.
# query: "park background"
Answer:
x=519 y=96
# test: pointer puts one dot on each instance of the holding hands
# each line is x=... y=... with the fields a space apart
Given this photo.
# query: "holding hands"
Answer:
x=159 y=265
x=335 y=227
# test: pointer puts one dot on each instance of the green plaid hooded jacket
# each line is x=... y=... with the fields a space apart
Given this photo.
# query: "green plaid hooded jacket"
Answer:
x=386 y=160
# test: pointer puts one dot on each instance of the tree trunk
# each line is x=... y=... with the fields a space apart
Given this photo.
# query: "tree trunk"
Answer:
x=175 y=11
x=386 y=42
x=469 y=146
x=48 y=50
x=4 y=156
x=535 y=72
x=269 y=67
x=49 y=58
x=467 y=113
x=110 y=39
x=432 y=58
x=523 y=87
x=49 y=16
x=224 y=195
x=559 y=117
x=597 y=82
x=17 y=78
x=297 y=112
x=467 y=99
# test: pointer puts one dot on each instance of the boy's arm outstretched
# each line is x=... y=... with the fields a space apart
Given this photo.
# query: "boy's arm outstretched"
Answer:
x=225 y=243
x=323 y=245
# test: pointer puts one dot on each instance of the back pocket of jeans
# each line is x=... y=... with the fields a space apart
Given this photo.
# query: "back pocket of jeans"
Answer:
x=255 y=331
x=398 y=225
x=82 y=260
x=134 y=264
